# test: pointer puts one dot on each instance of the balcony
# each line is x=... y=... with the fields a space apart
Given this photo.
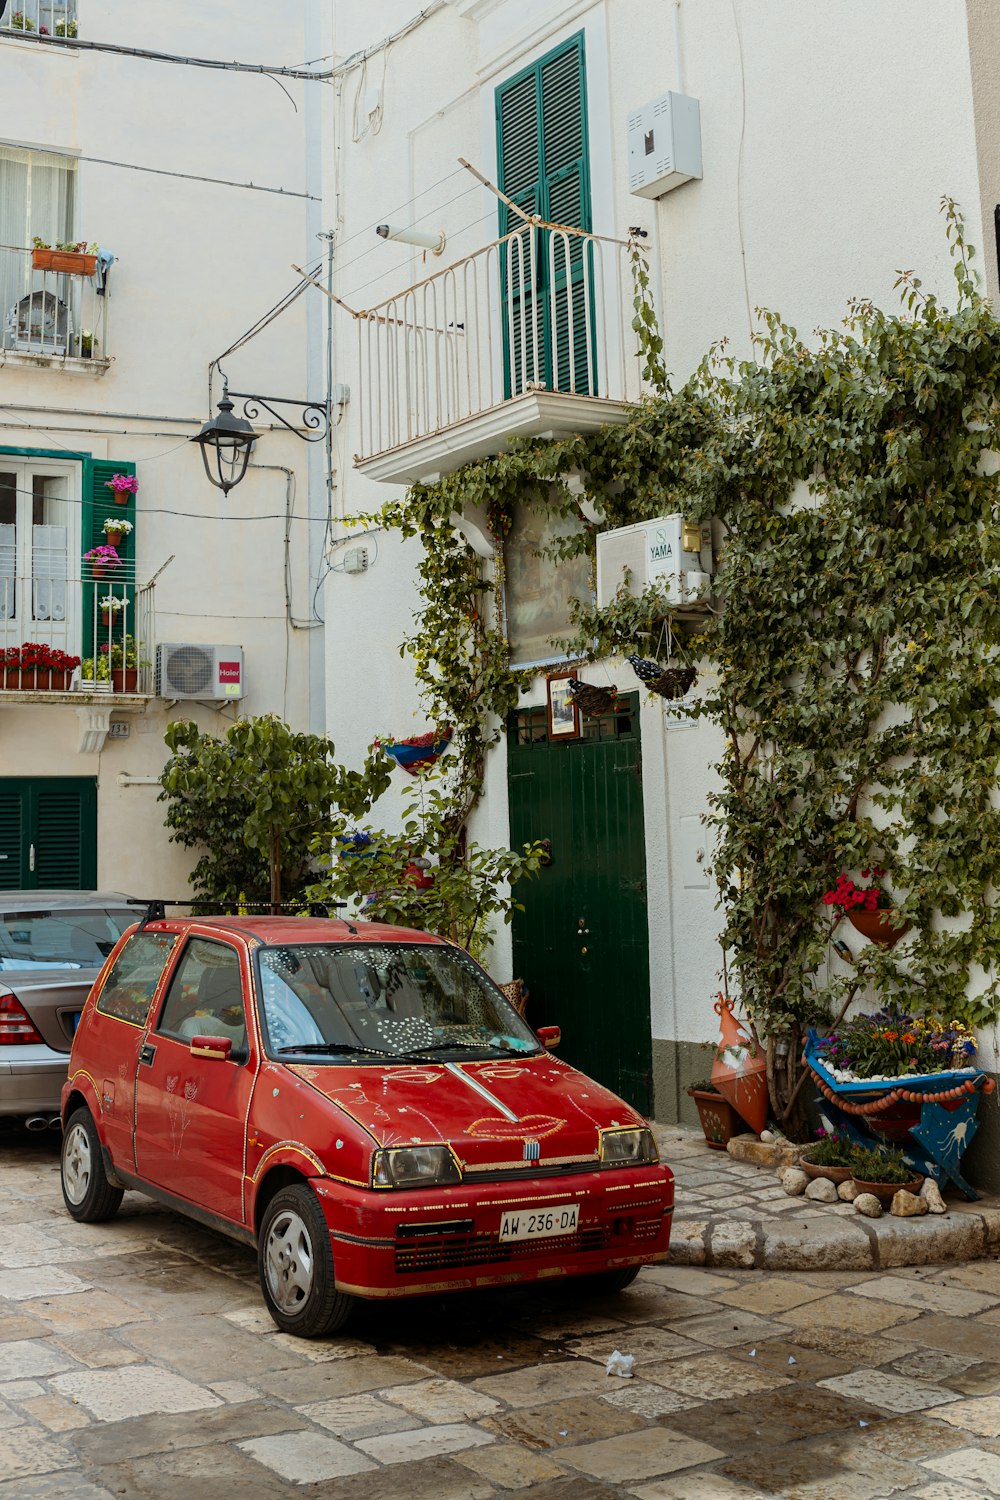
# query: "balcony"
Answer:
x=52 y=316
x=530 y=335
x=46 y=17
x=109 y=622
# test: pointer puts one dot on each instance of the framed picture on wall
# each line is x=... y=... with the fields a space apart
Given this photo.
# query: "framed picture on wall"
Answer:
x=563 y=714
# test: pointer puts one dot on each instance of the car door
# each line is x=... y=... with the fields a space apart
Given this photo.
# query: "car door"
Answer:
x=190 y=1109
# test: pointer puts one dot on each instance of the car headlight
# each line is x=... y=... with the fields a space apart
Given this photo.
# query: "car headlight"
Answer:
x=414 y=1166
x=624 y=1148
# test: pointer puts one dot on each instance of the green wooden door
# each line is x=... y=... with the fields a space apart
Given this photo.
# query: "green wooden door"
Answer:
x=582 y=942
x=543 y=166
x=48 y=833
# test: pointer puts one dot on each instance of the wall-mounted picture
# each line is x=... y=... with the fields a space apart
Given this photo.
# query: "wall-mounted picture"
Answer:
x=564 y=716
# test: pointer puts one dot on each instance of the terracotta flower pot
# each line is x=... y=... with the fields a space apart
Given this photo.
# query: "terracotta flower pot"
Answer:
x=886 y=1191
x=114 y=538
x=57 y=680
x=67 y=262
x=835 y=1174
x=124 y=679
x=719 y=1120
x=871 y=925
x=120 y=497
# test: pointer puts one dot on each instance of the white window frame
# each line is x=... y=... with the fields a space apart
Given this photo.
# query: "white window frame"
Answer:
x=65 y=632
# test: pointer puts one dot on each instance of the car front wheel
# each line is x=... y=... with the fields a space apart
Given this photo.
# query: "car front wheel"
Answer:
x=296 y=1266
x=86 y=1191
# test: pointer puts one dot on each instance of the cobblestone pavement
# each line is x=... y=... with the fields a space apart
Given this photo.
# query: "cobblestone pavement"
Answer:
x=136 y=1361
x=737 y=1215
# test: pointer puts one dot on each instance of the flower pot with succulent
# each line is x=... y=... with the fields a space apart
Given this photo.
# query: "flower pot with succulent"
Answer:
x=868 y=908
x=829 y=1157
x=104 y=561
x=719 y=1120
x=884 y=1171
x=122 y=486
x=116 y=531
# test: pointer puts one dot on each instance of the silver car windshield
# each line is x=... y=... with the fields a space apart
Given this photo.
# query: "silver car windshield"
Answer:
x=61 y=937
x=384 y=1000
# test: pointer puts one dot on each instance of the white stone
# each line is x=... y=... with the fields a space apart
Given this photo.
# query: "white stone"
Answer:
x=847 y=1191
x=305 y=1457
x=907 y=1205
x=424 y=1442
x=931 y=1194
x=822 y=1190
x=767 y=1136
x=794 y=1181
x=133 y=1391
x=868 y=1204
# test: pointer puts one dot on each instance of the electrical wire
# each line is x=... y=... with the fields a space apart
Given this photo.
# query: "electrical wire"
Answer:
x=739 y=165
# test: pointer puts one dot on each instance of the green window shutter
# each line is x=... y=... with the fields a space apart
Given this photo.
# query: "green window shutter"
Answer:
x=98 y=505
x=65 y=834
x=11 y=819
x=543 y=165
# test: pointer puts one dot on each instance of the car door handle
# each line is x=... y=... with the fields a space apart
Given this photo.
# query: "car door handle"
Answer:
x=147 y=1052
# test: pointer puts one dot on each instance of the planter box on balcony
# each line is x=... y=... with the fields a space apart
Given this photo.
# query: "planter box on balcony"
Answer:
x=66 y=262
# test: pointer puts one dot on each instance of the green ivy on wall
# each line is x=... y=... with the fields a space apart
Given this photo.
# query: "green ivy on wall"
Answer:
x=852 y=670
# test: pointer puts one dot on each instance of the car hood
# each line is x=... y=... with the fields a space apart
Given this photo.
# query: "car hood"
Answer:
x=506 y=1112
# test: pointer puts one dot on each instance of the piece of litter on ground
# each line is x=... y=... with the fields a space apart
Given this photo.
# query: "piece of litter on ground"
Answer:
x=862 y=1424
x=792 y=1360
x=621 y=1364
x=564 y=1432
x=753 y=1354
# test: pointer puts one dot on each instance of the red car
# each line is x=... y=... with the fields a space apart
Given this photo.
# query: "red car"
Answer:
x=361 y=1103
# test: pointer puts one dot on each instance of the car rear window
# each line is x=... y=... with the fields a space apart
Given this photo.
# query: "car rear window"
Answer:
x=61 y=938
x=131 y=985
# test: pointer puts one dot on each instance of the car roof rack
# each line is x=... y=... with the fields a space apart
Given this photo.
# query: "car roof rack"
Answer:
x=156 y=908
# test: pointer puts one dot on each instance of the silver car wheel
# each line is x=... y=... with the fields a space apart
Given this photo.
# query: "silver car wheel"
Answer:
x=289 y=1262
x=77 y=1164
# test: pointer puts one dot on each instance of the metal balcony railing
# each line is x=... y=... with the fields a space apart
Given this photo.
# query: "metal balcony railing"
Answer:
x=47 y=17
x=51 y=313
x=108 y=622
x=545 y=308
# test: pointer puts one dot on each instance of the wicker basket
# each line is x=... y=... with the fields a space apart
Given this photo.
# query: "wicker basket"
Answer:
x=591 y=699
x=673 y=682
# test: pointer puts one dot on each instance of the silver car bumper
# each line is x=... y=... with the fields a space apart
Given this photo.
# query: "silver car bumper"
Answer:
x=31 y=1078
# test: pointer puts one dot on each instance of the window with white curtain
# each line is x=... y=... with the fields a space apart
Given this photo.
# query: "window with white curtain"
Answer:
x=37 y=191
x=39 y=533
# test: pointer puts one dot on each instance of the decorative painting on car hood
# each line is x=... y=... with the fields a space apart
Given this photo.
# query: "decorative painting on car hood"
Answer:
x=495 y=1114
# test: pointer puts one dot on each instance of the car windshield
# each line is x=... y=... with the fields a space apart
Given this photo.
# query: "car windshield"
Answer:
x=382 y=1000
x=60 y=937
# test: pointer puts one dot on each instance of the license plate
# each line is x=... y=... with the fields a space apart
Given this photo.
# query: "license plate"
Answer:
x=539 y=1223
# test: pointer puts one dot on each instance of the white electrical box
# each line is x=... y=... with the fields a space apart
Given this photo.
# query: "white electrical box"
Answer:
x=664 y=145
x=669 y=553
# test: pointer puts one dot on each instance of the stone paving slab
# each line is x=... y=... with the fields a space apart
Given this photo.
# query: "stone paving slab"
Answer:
x=734 y=1213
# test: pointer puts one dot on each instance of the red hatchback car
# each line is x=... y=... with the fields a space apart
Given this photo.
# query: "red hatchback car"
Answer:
x=361 y=1103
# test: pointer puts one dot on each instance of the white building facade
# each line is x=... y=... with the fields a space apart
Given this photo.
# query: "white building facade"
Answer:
x=827 y=138
x=190 y=185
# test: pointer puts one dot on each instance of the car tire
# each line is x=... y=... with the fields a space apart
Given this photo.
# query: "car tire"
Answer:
x=606 y=1283
x=87 y=1193
x=295 y=1262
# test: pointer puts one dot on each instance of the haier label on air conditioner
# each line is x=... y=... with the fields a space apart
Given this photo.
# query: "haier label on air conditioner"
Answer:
x=229 y=678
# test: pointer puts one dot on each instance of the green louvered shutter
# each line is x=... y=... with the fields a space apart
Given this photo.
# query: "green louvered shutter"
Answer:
x=542 y=150
x=98 y=505
x=48 y=830
x=11 y=818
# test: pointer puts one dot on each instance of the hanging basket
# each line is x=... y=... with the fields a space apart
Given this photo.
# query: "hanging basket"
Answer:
x=871 y=925
x=591 y=699
x=420 y=749
x=673 y=682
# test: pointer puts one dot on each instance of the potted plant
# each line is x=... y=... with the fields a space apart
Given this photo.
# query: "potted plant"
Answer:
x=719 y=1120
x=117 y=662
x=36 y=667
x=121 y=486
x=116 y=531
x=103 y=561
x=110 y=606
x=419 y=750
x=867 y=907
x=883 y=1170
x=88 y=344
x=830 y=1157
x=69 y=257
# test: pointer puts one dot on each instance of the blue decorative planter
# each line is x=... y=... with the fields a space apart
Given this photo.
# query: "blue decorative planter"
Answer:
x=931 y=1116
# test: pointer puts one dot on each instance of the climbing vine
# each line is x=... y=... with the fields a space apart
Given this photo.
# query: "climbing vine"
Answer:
x=852 y=667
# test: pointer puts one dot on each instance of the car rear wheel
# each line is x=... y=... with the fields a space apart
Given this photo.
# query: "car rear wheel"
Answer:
x=86 y=1191
x=603 y=1283
x=296 y=1266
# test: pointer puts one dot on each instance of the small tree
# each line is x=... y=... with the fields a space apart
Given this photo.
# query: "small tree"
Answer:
x=255 y=800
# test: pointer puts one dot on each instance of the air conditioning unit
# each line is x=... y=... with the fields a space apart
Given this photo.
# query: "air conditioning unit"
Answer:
x=669 y=553
x=664 y=145
x=208 y=672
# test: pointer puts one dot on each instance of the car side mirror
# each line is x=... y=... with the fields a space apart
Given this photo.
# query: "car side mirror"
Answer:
x=212 y=1046
x=549 y=1036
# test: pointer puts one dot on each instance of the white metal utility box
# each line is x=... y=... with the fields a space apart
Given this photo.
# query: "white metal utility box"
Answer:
x=664 y=145
x=669 y=552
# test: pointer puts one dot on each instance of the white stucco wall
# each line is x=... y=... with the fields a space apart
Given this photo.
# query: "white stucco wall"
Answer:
x=198 y=263
x=829 y=135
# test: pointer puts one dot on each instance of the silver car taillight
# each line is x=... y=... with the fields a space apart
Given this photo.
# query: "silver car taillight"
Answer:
x=15 y=1023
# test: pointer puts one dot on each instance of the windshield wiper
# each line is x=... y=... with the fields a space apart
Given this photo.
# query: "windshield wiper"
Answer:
x=327 y=1047
x=445 y=1046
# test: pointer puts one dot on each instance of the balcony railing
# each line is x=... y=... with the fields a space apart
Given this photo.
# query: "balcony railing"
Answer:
x=50 y=313
x=108 y=622
x=47 y=17
x=545 y=308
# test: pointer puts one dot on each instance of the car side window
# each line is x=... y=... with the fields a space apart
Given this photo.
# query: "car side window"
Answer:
x=129 y=988
x=206 y=994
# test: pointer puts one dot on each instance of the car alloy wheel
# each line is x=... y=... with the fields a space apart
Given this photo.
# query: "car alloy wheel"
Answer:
x=296 y=1265
x=77 y=1164
x=87 y=1193
x=290 y=1262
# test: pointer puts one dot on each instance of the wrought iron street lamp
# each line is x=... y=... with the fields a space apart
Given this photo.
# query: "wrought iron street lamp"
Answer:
x=226 y=443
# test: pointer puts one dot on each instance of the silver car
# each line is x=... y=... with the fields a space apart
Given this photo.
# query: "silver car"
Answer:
x=52 y=947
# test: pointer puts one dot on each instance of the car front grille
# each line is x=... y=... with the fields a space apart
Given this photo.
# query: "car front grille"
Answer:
x=452 y=1251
